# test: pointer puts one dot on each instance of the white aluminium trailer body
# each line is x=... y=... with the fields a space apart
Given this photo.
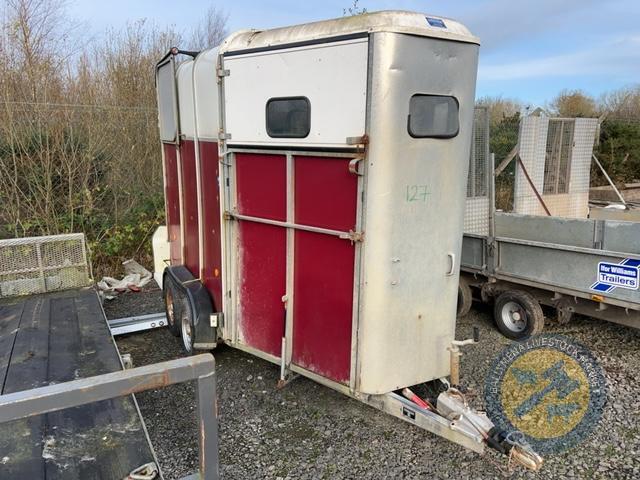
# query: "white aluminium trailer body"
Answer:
x=315 y=182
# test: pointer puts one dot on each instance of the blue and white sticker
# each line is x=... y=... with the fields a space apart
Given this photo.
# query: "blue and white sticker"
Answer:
x=625 y=274
x=436 y=22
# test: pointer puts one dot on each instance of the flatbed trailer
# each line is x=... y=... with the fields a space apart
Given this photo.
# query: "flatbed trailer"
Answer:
x=573 y=265
x=67 y=409
x=556 y=260
x=59 y=337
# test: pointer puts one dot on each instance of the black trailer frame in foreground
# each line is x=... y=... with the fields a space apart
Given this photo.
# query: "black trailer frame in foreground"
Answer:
x=67 y=409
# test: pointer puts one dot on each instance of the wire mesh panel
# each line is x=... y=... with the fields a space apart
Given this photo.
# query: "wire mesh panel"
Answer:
x=43 y=264
x=476 y=217
x=556 y=155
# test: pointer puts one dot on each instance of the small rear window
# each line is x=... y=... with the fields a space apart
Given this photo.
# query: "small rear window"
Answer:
x=288 y=117
x=433 y=116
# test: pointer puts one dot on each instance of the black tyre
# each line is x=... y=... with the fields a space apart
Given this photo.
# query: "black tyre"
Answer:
x=186 y=324
x=518 y=315
x=172 y=305
x=465 y=298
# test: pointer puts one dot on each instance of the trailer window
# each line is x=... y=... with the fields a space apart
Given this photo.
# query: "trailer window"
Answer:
x=433 y=116
x=167 y=102
x=288 y=117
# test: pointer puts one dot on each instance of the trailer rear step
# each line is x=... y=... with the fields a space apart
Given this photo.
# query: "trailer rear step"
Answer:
x=59 y=337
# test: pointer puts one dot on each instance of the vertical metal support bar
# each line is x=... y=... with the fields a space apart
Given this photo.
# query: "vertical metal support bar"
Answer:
x=231 y=250
x=180 y=198
x=471 y=181
x=492 y=195
x=291 y=202
x=41 y=267
x=598 y=234
x=208 y=427
x=567 y=173
x=225 y=184
x=199 y=186
x=490 y=261
x=85 y=257
x=360 y=226
x=559 y=159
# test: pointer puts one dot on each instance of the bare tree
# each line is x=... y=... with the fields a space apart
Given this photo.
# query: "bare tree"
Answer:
x=574 y=103
x=500 y=107
x=210 y=31
x=623 y=103
x=78 y=139
x=39 y=39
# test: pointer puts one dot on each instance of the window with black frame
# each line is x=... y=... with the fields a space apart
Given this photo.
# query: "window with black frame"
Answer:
x=288 y=117
x=433 y=116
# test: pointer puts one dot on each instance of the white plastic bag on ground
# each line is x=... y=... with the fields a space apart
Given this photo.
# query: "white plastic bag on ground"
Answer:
x=136 y=277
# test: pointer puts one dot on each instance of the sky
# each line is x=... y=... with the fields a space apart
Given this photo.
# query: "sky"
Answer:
x=530 y=50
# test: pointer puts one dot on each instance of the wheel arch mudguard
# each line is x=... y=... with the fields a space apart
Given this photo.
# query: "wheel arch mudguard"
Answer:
x=200 y=303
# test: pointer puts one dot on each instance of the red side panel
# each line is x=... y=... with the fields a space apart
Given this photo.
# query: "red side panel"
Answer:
x=325 y=196
x=261 y=192
x=172 y=196
x=190 y=207
x=212 y=268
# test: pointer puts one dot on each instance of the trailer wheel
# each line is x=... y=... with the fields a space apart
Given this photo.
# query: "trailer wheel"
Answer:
x=465 y=298
x=171 y=305
x=518 y=315
x=187 y=327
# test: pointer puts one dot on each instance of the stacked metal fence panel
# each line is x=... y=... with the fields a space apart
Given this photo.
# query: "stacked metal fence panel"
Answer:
x=43 y=264
x=476 y=218
x=556 y=154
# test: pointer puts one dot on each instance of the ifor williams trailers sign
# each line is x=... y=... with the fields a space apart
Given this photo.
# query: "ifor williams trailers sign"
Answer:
x=625 y=274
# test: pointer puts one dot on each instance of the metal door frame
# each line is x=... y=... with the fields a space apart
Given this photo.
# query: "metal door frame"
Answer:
x=232 y=217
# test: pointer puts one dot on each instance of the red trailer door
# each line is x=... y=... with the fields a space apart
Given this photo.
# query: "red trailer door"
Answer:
x=321 y=264
x=261 y=194
x=325 y=197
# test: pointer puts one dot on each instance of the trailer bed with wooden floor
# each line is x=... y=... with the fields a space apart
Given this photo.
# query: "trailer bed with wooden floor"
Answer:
x=59 y=337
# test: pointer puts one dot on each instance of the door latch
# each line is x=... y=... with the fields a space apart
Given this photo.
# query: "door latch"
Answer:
x=353 y=236
x=353 y=166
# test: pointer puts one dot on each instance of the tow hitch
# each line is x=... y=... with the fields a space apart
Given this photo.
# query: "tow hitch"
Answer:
x=453 y=405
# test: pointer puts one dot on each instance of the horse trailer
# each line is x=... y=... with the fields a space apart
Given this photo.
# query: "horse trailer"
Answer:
x=315 y=182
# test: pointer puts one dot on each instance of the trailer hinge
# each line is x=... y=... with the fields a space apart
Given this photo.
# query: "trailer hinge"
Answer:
x=224 y=136
x=362 y=140
x=227 y=215
x=353 y=236
x=221 y=72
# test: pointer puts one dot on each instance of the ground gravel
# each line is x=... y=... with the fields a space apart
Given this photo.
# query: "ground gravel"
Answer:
x=309 y=431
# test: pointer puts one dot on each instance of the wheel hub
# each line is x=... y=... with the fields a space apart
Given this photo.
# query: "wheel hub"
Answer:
x=170 y=309
x=514 y=317
x=187 y=332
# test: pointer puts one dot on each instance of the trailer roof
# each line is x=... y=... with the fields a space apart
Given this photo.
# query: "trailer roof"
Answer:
x=396 y=21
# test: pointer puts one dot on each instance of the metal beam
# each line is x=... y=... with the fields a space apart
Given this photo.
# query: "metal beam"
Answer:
x=606 y=175
x=60 y=396
x=510 y=156
x=533 y=187
x=120 y=326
